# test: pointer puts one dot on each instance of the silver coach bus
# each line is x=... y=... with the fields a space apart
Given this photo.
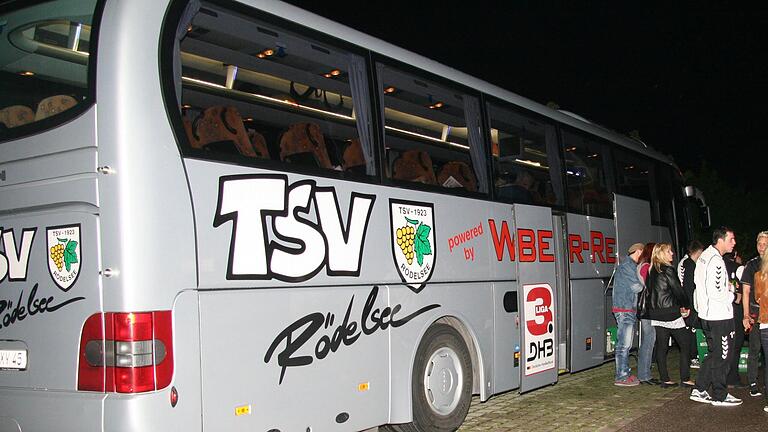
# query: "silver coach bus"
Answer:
x=237 y=215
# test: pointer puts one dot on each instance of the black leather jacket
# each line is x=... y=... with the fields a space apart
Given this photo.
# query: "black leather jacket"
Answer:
x=666 y=294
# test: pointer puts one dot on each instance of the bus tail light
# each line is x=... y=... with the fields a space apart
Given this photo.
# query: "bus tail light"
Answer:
x=126 y=352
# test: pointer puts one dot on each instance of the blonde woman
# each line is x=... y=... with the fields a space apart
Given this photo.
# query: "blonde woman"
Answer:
x=761 y=296
x=667 y=308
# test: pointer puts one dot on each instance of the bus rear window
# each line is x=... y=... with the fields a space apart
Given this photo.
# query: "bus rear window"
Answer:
x=44 y=54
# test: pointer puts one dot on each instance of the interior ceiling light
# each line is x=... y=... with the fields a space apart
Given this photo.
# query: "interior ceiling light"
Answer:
x=333 y=73
x=389 y=90
x=570 y=149
x=186 y=106
x=266 y=53
x=436 y=105
x=26 y=73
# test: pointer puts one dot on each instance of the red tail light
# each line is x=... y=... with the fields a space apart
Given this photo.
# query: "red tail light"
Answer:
x=126 y=352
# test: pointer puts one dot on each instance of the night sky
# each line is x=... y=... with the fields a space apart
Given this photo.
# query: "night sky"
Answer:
x=692 y=79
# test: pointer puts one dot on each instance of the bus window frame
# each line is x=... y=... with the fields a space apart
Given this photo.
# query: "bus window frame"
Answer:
x=174 y=114
x=607 y=148
x=386 y=176
x=555 y=152
x=64 y=117
x=653 y=199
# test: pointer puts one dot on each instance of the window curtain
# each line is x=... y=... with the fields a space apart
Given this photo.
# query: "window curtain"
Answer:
x=474 y=133
x=361 y=98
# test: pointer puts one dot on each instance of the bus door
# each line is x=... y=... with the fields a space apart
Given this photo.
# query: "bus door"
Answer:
x=633 y=225
x=592 y=257
x=537 y=284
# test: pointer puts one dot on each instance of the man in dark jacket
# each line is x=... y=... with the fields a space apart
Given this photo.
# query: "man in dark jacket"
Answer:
x=626 y=285
x=685 y=270
x=751 y=310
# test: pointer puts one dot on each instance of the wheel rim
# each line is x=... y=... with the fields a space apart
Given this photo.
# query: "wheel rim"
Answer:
x=443 y=381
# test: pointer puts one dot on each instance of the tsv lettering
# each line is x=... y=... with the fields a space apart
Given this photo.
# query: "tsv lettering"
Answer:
x=15 y=263
x=290 y=232
x=346 y=333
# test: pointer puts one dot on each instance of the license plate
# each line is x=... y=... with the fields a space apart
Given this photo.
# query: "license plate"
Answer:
x=13 y=359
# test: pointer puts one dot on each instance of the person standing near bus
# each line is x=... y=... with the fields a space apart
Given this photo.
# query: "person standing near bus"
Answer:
x=685 y=271
x=668 y=307
x=734 y=269
x=760 y=285
x=626 y=286
x=714 y=295
x=645 y=354
x=752 y=311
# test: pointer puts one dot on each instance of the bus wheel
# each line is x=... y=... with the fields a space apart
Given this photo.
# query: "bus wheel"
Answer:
x=441 y=388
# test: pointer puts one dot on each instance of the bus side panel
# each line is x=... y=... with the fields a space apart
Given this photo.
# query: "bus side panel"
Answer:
x=471 y=304
x=272 y=359
x=592 y=253
x=36 y=410
x=587 y=323
x=506 y=337
x=154 y=411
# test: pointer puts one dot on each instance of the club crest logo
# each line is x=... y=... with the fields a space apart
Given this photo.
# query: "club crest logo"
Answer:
x=413 y=238
x=64 y=255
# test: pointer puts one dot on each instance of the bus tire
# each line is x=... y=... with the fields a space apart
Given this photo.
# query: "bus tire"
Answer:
x=441 y=383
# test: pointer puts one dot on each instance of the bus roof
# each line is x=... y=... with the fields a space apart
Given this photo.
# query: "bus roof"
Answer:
x=355 y=37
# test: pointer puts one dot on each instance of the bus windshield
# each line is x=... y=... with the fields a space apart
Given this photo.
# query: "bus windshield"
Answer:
x=44 y=55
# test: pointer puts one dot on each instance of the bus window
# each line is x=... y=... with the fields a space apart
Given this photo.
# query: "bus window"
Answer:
x=635 y=178
x=253 y=92
x=586 y=179
x=664 y=193
x=523 y=152
x=432 y=133
x=44 y=58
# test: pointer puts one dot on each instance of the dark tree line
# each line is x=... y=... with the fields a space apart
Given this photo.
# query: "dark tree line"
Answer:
x=744 y=210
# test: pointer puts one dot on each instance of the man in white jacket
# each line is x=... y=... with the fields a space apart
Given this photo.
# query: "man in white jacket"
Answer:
x=713 y=297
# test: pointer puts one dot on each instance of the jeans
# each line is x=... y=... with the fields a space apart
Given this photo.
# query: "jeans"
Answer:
x=764 y=342
x=645 y=357
x=625 y=322
x=754 y=353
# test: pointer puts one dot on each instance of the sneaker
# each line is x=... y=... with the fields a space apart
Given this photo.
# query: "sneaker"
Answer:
x=765 y=408
x=629 y=381
x=729 y=401
x=700 y=396
x=731 y=398
x=754 y=391
x=695 y=364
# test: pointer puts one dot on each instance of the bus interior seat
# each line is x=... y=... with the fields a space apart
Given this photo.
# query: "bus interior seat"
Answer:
x=53 y=105
x=457 y=174
x=221 y=129
x=194 y=141
x=304 y=144
x=259 y=143
x=353 y=158
x=16 y=115
x=414 y=166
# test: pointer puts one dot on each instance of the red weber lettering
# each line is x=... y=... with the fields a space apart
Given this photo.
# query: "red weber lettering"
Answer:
x=600 y=247
x=532 y=245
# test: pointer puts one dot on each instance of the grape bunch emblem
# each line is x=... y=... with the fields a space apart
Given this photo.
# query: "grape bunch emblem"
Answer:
x=63 y=253
x=413 y=240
